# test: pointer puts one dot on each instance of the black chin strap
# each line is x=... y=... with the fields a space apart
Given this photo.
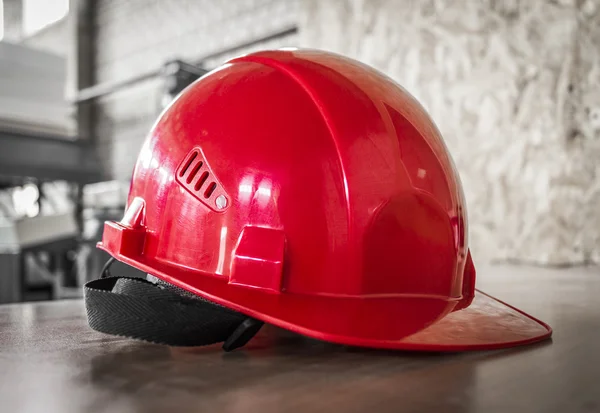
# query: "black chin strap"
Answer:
x=163 y=314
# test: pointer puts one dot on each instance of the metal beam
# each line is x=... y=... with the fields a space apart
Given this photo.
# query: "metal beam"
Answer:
x=82 y=61
x=47 y=158
x=102 y=89
x=83 y=74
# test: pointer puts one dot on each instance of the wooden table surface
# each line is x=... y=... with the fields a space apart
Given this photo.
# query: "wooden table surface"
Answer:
x=50 y=361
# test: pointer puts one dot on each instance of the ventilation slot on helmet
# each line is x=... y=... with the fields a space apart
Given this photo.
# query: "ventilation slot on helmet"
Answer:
x=194 y=174
x=209 y=191
x=201 y=181
x=187 y=163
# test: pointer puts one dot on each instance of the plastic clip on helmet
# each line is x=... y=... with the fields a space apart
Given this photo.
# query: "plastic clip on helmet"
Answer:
x=305 y=190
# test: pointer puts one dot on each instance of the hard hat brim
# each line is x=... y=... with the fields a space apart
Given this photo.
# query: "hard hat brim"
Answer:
x=399 y=323
x=486 y=324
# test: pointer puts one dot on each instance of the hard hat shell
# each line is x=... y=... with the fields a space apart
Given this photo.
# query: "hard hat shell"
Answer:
x=312 y=192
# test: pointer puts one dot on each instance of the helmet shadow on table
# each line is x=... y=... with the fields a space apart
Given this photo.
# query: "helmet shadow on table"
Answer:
x=272 y=356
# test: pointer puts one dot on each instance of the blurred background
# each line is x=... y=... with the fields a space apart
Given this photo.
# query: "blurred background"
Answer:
x=514 y=86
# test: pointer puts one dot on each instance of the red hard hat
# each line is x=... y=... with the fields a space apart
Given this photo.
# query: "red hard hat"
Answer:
x=309 y=191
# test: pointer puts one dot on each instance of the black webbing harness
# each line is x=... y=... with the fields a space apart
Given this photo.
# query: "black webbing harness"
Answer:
x=162 y=313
